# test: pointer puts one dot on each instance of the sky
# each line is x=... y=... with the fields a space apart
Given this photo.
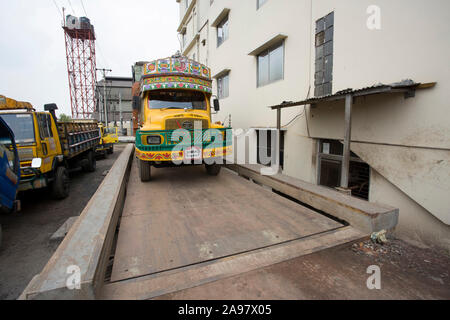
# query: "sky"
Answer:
x=33 y=64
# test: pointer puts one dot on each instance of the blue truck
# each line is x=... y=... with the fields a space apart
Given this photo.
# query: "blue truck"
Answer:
x=9 y=170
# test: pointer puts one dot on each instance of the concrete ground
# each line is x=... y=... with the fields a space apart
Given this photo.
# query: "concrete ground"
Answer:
x=406 y=272
x=25 y=246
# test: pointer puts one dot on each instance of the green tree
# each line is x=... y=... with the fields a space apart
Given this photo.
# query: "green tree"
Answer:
x=64 y=117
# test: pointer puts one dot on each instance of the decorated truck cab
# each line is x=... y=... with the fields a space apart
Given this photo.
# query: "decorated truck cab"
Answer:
x=175 y=125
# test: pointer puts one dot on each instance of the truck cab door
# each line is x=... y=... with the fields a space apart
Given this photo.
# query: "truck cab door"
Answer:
x=114 y=135
x=49 y=140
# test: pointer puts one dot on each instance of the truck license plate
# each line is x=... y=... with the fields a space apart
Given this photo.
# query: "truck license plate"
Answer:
x=193 y=153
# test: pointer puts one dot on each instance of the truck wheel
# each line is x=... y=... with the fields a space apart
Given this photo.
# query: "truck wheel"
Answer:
x=110 y=149
x=144 y=170
x=91 y=162
x=213 y=169
x=0 y=235
x=60 y=186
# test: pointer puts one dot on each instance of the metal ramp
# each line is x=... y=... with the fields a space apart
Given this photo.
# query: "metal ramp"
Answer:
x=183 y=218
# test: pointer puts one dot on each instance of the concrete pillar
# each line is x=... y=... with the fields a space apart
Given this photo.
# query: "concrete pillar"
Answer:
x=347 y=138
x=277 y=156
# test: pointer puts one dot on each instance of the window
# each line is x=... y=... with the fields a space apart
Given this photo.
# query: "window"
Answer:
x=22 y=126
x=49 y=125
x=259 y=3
x=211 y=2
x=191 y=26
x=323 y=76
x=223 y=85
x=330 y=163
x=176 y=99
x=186 y=4
x=222 y=31
x=45 y=125
x=265 y=140
x=193 y=57
x=271 y=65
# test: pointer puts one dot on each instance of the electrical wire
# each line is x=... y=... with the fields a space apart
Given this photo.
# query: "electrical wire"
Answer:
x=101 y=53
x=70 y=4
x=301 y=114
x=295 y=118
x=102 y=56
x=57 y=8
x=84 y=9
x=304 y=112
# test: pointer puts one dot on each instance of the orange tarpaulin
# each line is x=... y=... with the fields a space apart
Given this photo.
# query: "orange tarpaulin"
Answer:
x=7 y=103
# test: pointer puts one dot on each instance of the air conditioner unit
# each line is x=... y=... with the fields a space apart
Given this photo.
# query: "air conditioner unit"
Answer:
x=72 y=22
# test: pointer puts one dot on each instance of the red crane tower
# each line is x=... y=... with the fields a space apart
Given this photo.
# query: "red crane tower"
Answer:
x=81 y=66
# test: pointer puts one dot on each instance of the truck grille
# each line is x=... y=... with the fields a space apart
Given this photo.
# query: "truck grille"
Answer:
x=184 y=123
x=25 y=154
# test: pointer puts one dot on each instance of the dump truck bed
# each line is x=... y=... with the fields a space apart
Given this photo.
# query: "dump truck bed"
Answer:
x=77 y=137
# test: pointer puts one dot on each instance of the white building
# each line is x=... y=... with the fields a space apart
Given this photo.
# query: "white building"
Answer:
x=264 y=52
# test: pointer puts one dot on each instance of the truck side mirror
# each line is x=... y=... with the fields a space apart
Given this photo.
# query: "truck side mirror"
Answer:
x=51 y=107
x=216 y=105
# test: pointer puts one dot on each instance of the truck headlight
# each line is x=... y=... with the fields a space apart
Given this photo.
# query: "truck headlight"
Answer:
x=154 y=139
x=36 y=163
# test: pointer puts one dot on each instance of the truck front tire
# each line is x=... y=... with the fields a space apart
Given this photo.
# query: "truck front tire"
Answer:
x=60 y=186
x=144 y=170
x=213 y=169
x=110 y=150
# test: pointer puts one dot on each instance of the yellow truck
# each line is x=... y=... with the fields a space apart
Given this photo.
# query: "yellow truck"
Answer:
x=48 y=148
x=108 y=137
x=175 y=125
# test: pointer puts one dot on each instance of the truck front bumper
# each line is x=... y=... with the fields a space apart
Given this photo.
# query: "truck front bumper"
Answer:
x=36 y=180
x=31 y=183
x=167 y=156
x=102 y=147
x=200 y=145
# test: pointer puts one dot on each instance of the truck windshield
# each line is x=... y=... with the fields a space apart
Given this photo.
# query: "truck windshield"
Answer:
x=109 y=131
x=21 y=125
x=177 y=99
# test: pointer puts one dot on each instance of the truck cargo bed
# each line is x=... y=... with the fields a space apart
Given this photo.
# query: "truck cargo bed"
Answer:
x=77 y=137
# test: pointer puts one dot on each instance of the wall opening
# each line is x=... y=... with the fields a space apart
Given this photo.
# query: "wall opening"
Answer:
x=265 y=145
x=330 y=156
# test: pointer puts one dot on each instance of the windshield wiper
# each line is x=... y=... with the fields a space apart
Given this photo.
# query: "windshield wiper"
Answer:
x=170 y=108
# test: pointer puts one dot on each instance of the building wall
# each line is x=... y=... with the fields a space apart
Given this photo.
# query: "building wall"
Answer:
x=114 y=87
x=411 y=44
x=415 y=222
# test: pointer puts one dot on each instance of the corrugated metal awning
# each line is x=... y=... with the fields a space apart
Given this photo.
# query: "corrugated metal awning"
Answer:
x=406 y=86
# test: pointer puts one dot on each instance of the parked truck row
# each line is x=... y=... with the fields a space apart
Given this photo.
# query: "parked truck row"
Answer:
x=48 y=148
x=38 y=151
